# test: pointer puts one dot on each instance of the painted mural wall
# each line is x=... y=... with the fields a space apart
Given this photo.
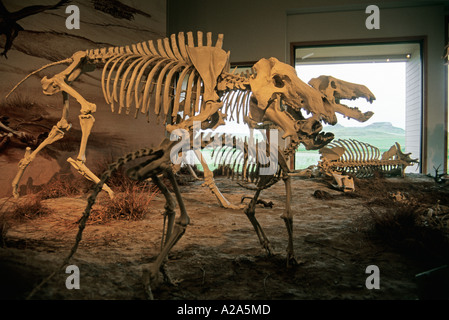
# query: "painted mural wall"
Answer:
x=47 y=35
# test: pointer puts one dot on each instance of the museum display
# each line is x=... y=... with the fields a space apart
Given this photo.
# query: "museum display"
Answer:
x=141 y=160
x=273 y=93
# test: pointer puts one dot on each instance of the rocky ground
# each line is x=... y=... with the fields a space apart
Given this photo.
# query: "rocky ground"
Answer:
x=219 y=257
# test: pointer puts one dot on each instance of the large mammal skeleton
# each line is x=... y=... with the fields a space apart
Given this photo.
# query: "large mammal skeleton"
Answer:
x=188 y=84
x=148 y=73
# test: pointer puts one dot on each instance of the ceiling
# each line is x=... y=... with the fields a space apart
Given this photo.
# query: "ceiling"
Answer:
x=356 y=53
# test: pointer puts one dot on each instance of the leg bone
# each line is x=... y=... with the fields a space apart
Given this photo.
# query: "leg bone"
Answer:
x=54 y=135
x=177 y=233
x=89 y=175
x=86 y=123
x=250 y=212
x=288 y=219
x=209 y=181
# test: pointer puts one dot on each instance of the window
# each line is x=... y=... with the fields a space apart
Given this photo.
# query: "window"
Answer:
x=392 y=72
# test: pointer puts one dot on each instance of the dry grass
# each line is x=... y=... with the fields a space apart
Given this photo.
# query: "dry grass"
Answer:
x=27 y=209
x=25 y=116
x=16 y=105
x=133 y=204
x=118 y=181
x=31 y=208
x=415 y=224
x=132 y=199
x=63 y=185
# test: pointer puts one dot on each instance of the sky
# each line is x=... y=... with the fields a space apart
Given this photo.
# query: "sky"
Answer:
x=385 y=80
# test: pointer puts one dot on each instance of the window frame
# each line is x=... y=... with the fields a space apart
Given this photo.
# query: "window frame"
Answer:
x=422 y=41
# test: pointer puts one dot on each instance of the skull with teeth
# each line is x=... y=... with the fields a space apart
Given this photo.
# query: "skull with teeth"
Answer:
x=282 y=98
x=335 y=90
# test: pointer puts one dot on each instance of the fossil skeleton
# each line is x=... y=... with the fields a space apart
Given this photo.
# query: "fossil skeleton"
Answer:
x=360 y=159
x=242 y=159
x=187 y=84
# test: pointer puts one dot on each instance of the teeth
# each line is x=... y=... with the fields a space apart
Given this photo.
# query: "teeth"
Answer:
x=290 y=116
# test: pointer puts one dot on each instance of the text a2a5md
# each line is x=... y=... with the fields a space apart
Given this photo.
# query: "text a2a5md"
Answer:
x=230 y=309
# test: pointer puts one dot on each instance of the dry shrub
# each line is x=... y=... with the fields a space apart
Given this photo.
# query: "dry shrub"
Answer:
x=25 y=116
x=407 y=228
x=5 y=224
x=69 y=185
x=377 y=190
x=16 y=105
x=26 y=209
x=133 y=204
x=132 y=199
x=63 y=185
x=118 y=181
x=31 y=208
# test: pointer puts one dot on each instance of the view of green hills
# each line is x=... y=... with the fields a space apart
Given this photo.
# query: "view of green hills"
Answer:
x=381 y=135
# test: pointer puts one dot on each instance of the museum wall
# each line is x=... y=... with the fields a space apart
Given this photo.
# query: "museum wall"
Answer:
x=257 y=29
x=413 y=102
x=46 y=39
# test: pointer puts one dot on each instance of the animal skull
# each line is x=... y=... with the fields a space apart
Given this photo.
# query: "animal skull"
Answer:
x=281 y=97
x=335 y=90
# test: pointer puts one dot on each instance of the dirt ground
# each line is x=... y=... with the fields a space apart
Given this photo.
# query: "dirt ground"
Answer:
x=219 y=256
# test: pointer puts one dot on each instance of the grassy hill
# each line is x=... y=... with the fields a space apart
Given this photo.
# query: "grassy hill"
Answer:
x=379 y=134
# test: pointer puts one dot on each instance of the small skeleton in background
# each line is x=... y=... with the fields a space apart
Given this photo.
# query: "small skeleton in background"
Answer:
x=342 y=159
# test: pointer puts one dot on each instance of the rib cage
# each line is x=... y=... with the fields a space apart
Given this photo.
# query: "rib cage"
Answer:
x=236 y=96
x=241 y=161
x=360 y=159
x=159 y=74
x=356 y=150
